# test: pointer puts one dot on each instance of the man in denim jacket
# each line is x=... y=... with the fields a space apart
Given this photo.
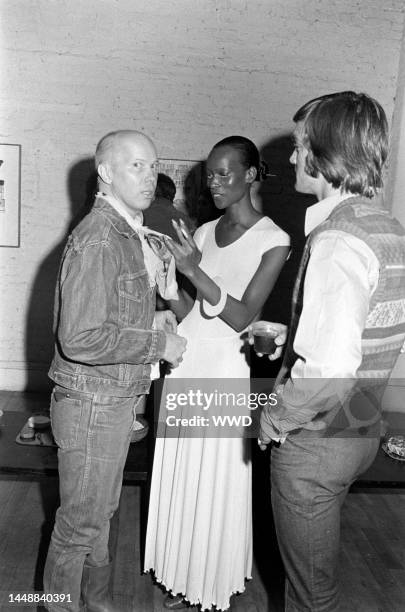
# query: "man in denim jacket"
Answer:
x=107 y=336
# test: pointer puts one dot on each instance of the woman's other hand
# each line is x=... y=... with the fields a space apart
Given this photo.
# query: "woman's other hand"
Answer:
x=279 y=340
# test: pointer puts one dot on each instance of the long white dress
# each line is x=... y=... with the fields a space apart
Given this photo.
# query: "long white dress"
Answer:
x=199 y=534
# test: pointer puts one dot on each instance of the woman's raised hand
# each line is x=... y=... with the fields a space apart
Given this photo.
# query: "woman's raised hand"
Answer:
x=185 y=252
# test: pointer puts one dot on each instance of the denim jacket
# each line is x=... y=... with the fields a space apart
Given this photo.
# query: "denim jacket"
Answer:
x=104 y=309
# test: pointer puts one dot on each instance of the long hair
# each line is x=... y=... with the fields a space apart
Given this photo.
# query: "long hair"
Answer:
x=346 y=135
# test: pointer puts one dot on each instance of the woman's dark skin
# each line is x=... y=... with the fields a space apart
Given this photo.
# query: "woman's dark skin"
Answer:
x=230 y=183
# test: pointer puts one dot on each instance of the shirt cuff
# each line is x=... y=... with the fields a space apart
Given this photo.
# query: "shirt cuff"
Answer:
x=269 y=429
x=282 y=425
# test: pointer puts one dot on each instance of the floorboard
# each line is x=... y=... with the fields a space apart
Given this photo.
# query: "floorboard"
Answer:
x=372 y=553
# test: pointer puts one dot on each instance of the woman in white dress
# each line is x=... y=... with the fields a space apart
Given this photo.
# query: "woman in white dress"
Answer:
x=199 y=534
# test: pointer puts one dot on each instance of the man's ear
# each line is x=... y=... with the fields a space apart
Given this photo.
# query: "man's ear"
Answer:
x=251 y=174
x=104 y=172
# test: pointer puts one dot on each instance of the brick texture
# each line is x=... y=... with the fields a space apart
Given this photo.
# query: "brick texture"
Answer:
x=187 y=73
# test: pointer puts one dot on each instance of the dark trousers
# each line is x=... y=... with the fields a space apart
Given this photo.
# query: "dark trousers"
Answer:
x=310 y=478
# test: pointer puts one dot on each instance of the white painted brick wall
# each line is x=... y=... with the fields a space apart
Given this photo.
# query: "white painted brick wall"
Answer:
x=187 y=73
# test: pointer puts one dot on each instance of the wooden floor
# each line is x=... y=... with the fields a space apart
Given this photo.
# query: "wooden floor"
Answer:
x=372 y=554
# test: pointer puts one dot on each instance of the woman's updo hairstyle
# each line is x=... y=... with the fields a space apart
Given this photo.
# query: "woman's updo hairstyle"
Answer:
x=248 y=154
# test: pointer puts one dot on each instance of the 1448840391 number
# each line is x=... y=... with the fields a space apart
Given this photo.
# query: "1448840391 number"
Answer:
x=27 y=598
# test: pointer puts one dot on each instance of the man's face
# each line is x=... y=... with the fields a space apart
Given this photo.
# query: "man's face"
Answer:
x=304 y=183
x=133 y=172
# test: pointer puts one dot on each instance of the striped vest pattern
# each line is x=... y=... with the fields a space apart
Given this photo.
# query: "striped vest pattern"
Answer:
x=384 y=332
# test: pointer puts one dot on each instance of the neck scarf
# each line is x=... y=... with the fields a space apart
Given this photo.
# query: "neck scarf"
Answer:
x=159 y=262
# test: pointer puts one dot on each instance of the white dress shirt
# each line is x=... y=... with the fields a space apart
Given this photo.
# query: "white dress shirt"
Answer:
x=341 y=276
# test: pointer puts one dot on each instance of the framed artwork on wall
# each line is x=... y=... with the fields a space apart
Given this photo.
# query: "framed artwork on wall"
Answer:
x=187 y=175
x=10 y=189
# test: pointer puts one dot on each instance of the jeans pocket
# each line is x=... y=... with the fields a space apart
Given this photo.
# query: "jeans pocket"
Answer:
x=112 y=423
x=66 y=419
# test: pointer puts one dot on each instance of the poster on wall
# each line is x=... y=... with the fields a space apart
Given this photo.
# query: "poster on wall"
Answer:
x=10 y=183
x=187 y=176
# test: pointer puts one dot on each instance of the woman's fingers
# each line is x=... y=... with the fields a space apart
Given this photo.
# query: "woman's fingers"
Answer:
x=172 y=247
x=175 y=249
x=188 y=237
x=184 y=235
x=181 y=235
x=188 y=241
x=169 y=243
x=187 y=245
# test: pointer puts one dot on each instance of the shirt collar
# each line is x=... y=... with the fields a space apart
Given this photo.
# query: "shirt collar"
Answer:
x=317 y=213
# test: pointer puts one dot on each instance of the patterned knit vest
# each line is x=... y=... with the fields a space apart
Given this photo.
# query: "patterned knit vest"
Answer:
x=384 y=331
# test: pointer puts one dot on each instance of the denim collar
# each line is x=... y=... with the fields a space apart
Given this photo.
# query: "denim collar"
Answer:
x=103 y=208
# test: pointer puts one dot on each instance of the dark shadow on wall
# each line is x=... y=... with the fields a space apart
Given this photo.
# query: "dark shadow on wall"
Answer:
x=287 y=209
x=39 y=342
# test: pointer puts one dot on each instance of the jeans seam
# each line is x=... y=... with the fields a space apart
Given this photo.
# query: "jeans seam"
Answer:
x=310 y=509
x=311 y=543
x=89 y=456
x=85 y=478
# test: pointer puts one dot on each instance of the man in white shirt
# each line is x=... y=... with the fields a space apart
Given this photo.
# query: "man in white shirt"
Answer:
x=347 y=328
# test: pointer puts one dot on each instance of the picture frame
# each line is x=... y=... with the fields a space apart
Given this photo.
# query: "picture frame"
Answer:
x=187 y=175
x=10 y=194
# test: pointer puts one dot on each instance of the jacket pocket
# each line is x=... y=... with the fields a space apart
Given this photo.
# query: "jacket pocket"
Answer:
x=134 y=299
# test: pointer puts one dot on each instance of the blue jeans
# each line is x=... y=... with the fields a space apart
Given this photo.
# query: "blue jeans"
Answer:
x=310 y=478
x=93 y=435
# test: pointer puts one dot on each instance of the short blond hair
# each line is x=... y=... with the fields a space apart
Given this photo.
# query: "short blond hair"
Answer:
x=108 y=142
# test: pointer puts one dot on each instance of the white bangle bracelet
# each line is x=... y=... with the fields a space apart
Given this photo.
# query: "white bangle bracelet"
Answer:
x=216 y=309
